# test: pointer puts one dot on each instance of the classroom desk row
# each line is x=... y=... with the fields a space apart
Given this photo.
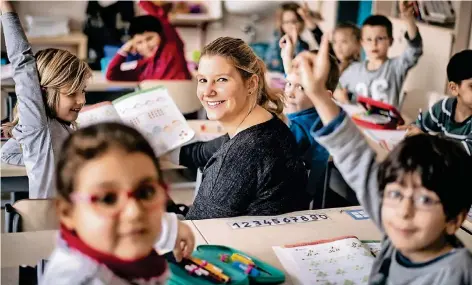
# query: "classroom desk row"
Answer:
x=97 y=83
x=28 y=248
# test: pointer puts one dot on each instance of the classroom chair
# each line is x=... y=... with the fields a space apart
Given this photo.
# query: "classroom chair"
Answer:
x=183 y=92
x=30 y=215
x=336 y=192
x=26 y=216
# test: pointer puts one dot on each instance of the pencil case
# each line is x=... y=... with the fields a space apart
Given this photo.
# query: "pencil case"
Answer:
x=212 y=254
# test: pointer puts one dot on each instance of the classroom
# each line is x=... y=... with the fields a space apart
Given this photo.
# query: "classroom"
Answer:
x=236 y=142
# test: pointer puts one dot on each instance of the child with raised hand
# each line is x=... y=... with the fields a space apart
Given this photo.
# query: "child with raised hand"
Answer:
x=155 y=39
x=451 y=117
x=415 y=196
x=346 y=44
x=292 y=19
x=111 y=206
x=302 y=116
x=380 y=77
x=50 y=87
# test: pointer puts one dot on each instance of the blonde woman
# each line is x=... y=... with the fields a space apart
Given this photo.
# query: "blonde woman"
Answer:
x=255 y=169
x=50 y=87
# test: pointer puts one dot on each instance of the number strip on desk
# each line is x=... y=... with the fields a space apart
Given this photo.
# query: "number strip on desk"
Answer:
x=255 y=223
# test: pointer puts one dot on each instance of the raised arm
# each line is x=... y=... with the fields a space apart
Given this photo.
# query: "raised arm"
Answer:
x=343 y=140
x=197 y=154
x=414 y=48
x=31 y=108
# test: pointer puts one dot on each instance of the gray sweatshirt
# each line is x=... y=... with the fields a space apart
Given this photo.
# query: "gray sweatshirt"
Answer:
x=385 y=83
x=40 y=137
x=12 y=153
x=356 y=162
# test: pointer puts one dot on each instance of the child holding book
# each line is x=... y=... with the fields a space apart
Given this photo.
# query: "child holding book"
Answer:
x=50 y=87
x=416 y=196
x=380 y=77
x=291 y=21
x=452 y=117
x=156 y=40
x=111 y=206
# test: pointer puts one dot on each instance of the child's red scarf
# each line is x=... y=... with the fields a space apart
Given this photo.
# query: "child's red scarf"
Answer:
x=146 y=268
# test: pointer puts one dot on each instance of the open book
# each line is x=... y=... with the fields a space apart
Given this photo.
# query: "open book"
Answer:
x=152 y=112
x=344 y=260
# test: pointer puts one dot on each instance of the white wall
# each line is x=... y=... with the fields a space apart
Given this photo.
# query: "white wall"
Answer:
x=230 y=25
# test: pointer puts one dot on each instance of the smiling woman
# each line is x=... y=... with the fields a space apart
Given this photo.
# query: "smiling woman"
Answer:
x=255 y=169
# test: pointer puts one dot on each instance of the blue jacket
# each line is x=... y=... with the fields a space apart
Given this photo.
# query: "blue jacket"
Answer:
x=301 y=124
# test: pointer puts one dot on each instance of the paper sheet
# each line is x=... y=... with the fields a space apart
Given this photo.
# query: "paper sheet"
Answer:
x=342 y=261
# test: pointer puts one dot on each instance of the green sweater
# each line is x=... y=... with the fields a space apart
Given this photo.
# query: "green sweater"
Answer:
x=440 y=120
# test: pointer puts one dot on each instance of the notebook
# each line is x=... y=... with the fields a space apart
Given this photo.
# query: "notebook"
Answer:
x=343 y=260
x=151 y=111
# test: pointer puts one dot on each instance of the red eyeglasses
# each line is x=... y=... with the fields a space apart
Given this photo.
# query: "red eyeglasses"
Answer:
x=111 y=202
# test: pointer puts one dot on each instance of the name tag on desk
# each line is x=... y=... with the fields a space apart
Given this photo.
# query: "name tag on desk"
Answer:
x=277 y=221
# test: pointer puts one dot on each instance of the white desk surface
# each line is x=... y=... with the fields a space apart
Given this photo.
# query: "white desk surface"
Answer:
x=30 y=247
x=259 y=241
x=210 y=127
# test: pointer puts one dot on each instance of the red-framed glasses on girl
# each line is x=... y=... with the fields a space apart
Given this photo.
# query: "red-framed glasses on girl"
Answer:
x=110 y=201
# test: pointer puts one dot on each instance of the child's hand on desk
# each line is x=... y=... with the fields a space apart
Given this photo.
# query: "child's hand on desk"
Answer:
x=411 y=130
x=185 y=242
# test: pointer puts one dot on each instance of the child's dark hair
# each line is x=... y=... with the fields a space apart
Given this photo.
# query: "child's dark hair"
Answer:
x=459 y=66
x=334 y=74
x=142 y=24
x=443 y=165
x=379 y=20
x=349 y=26
x=93 y=141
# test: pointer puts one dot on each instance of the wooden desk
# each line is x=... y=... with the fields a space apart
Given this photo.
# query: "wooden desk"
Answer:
x=259 y=241
x=97 y=83
x=28 y=248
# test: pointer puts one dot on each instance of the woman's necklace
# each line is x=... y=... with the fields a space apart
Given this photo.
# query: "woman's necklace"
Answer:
x=245 y=117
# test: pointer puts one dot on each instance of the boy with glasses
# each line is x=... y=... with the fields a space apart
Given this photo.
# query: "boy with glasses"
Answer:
x=379 y=77
x=418 y=196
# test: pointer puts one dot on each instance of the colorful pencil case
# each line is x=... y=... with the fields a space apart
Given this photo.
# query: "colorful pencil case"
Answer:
x=212 y=254
x=379 y=115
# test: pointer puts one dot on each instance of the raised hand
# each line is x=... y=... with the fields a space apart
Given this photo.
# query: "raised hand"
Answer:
x=314 y=69
x=287 y=47
x=407 y=10
x=6 y=6
x=307 y=16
